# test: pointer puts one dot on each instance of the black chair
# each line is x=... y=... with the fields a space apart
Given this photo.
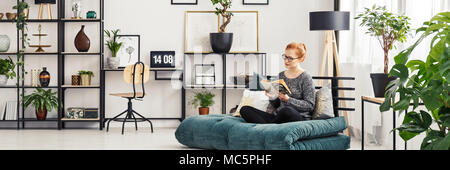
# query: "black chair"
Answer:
x=138 y=73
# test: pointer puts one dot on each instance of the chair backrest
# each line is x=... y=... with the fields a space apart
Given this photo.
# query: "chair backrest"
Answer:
x=138 y=73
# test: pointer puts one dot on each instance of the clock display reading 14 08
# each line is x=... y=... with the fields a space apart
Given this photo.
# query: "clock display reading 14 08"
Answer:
x=162 y=59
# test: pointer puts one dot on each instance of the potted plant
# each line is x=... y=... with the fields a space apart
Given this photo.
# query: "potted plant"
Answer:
x=388 y=28
x=113 y=62
x=43 y=101
x=85 y=77
x=6 y=70
x=221 y=42
x=205 y=100
x=426 y=81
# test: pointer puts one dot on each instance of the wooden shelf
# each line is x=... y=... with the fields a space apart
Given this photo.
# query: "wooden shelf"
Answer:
x=166 y=69
x=81 y=20
x=80 y=120
x=72 y=86
x=8 y=53
x=45 y=53
x=80 y=53
x=217 y=86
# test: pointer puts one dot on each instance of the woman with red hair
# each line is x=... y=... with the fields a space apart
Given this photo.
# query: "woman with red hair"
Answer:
x=285 y=108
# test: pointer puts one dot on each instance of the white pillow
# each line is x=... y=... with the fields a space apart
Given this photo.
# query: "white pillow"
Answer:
x=324 y=102
x=256 y=99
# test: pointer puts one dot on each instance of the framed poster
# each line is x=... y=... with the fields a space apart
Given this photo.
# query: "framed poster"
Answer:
x=184 y=2
x=205 y=74
x=256 y=2
x=162 y=59
x=245 y=28
x=198 y=26
x=129 y=53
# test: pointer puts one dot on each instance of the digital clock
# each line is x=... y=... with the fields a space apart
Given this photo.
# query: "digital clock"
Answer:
x=162 y=59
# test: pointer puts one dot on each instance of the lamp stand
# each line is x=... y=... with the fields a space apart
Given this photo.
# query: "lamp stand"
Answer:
x=329 y=53
x=41 y=11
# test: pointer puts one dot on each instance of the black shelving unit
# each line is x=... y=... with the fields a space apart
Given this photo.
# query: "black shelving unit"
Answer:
x=223 y=87
x=60 y=57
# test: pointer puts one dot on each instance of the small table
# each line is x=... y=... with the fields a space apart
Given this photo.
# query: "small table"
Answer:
x=377 y=101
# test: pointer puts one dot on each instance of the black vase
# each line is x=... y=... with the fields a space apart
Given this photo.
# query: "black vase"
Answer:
x=82 y=42
x=380 y=82
x=221 y=42
x=44 y=77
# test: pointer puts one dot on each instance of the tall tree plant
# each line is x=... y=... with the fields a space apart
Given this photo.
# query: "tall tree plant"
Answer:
x=222 y=11
x=426 y=81
x=387 y=27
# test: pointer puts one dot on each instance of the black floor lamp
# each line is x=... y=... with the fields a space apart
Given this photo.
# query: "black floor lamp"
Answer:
x=330 y=21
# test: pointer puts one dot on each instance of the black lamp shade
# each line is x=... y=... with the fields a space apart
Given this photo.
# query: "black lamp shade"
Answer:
x=329 y=20
x=44 y=1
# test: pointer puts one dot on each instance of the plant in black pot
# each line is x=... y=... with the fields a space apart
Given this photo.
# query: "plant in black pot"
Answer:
x=205 y=100
x=388 y=28
x=221 y=42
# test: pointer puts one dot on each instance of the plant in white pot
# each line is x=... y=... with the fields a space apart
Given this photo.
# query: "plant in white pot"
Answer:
x=113 y=61
x=222 y=41
x=6 y=70
x=388 y=28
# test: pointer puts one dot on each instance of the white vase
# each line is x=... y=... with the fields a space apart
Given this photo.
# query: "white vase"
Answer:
x=3 y=80
x=4 y=43
x=113 y=62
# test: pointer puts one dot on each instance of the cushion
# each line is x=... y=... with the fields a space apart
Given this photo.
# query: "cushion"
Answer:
x=256 y=99
x=324 y=102
x=226 y=132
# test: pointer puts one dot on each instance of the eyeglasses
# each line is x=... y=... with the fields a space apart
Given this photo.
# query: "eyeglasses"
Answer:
x=285 y=57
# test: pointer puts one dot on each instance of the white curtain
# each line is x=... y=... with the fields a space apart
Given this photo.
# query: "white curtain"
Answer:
x=361 y=54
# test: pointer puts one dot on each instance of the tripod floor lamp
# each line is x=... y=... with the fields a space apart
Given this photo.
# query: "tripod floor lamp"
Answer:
x=330 y=21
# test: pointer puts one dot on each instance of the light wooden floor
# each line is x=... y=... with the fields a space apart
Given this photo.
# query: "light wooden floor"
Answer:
x=161 y=139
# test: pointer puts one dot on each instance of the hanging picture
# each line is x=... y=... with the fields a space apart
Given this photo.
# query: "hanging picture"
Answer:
x=245 y=29
x=198 y=26
x=129 y=53
x=184 y=2
x=256 y=2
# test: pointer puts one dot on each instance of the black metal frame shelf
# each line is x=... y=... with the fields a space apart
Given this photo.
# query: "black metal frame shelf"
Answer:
x=61 y=87
x=223 y=86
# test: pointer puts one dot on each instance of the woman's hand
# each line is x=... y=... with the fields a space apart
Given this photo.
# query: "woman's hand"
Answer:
x=271 y=96
x=283 y=97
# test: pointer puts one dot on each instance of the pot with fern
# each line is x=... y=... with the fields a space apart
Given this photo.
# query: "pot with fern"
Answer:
x=113 y=61
x=43 y=101
x=204 y=100
x=6 y=70
x=222 y=41
x=388 y=28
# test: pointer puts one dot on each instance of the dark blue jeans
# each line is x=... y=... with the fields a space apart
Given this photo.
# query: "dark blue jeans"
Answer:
x=286 y=114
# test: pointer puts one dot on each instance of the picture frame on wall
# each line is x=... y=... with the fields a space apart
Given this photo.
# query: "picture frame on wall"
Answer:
x=245 y=29
x=255 y=2
x=184 y=2
x=198 y=26
x=129 y=53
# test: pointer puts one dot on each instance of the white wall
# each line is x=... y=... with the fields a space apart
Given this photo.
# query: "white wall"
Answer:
x=161 y=27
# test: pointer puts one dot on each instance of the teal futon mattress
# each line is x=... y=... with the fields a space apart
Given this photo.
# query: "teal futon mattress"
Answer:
x=225 y=132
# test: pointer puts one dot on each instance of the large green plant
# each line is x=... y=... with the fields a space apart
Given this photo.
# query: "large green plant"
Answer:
x=42 y=100
x=386 y=27
x=7 y=68
x=204 y=99
x=225 y=5
x=112 y=43
x=426 y=81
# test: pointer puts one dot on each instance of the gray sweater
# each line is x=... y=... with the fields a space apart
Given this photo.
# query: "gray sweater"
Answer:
x=302 y=97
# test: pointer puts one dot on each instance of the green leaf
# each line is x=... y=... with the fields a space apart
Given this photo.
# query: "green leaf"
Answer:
x=443 y=144
x=431 y=139
x=400 y=71
x=445 y=67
